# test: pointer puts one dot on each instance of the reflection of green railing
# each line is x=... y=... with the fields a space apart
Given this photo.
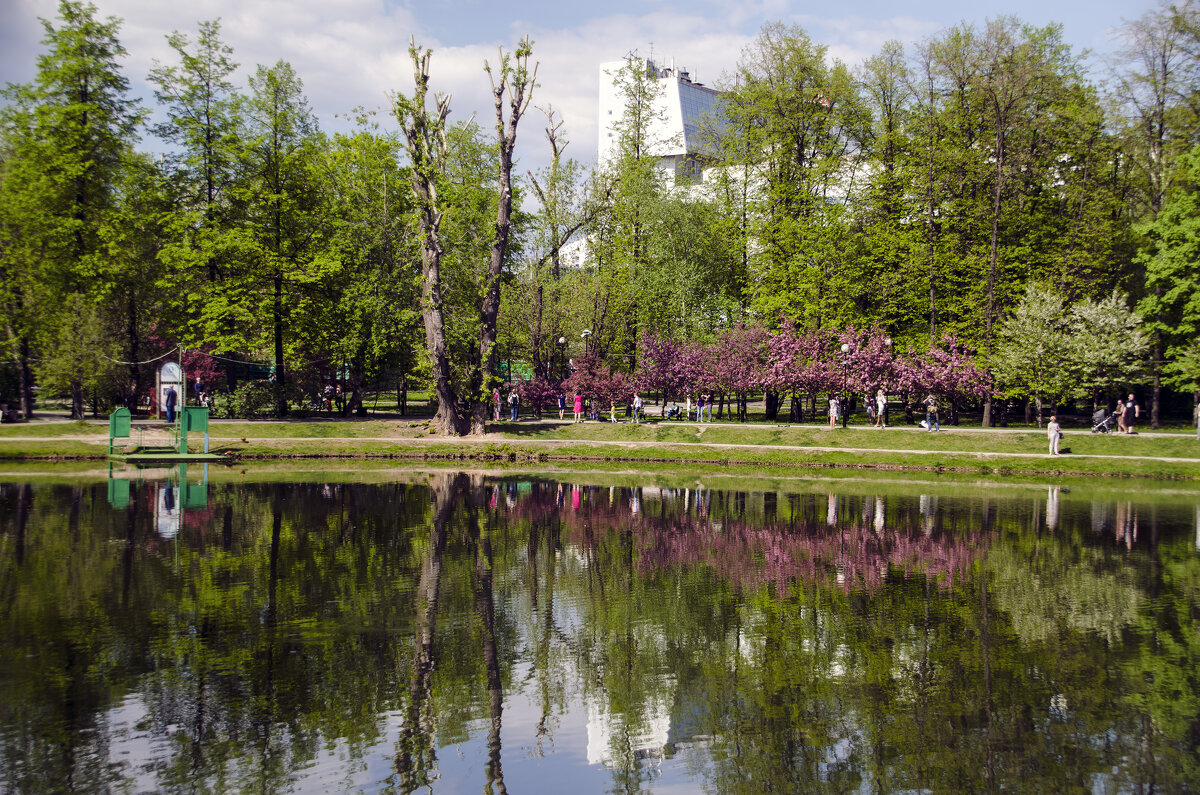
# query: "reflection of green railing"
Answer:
x=190 y=494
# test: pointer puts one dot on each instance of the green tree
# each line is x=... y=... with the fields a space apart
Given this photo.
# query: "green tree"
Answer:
x=206 y=240
x=373 y=327
x=69 y=138
x=283 y=198
x=801 y=124
x=1171 y=305
x=1155 y=92
x=620 y=237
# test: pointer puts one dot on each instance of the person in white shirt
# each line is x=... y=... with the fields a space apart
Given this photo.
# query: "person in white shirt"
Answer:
x=880 y=409
x=1053 y=433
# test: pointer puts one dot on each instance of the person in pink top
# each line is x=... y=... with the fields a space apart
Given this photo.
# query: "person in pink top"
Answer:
x=578 y=407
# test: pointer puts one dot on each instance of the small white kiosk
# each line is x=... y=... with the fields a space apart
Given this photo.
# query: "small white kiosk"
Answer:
x=169 y=375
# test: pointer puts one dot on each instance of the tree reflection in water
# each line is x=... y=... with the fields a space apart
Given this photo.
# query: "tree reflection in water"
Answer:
x=564 y=635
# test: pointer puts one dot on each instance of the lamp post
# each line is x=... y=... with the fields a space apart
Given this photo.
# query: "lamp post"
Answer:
x=845 y=378
x=562 y=352
x=585 y=336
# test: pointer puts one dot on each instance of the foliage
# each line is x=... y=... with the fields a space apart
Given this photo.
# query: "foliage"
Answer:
x=251 y=400
x=538 y=394
x=916 y=199
x=1032 y=351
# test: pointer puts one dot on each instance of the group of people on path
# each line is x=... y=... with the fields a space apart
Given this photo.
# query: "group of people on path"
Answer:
x=1127 y=412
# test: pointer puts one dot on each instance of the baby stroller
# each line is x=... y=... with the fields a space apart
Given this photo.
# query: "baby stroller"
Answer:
x=1102 y=421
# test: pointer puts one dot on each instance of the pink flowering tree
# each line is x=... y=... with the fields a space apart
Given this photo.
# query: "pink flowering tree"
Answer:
x=611 y=389
x=948 y=370
x=537 y=393
x=870 y=362
x=595 y=380
x=740 y=362
x=798 y=365
x=662 y=367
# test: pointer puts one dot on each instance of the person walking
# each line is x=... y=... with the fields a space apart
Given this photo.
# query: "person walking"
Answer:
x=637 y=407
x=496 y=404
x=578 y=407
x=931 y=413
x=1053 y=433
x=514 y=404
x=562 y=405
x=880 y=409
x=835 y=406
x=701 y=402
x=1132 y=412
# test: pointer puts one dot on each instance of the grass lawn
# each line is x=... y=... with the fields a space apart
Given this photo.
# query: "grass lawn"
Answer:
x=1027 y=442
x=717 y=444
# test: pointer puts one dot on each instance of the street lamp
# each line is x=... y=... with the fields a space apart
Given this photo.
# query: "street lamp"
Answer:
x=587 y=333
x=887 y=344
x=562 y=352
x=845 y=378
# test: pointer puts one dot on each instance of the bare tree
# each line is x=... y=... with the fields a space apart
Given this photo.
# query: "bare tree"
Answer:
x=512 y=84
x=425 y=139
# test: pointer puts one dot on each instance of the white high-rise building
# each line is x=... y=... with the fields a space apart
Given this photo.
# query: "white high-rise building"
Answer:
x=683 y=112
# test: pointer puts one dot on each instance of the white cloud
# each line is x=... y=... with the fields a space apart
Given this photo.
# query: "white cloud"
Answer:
x=354 y=52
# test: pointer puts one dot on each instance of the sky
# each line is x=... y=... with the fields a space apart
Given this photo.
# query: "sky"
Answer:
x=352 y=53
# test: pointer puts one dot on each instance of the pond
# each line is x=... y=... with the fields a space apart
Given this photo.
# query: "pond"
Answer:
x=592 y=632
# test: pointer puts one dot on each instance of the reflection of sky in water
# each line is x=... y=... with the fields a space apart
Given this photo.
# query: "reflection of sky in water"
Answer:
x=748 y=572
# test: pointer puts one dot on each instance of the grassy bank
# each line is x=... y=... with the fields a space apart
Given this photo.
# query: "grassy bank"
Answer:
x=718 y=445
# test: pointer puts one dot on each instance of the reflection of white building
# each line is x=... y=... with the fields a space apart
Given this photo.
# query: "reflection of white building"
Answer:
x=683 y=116
x=607 y=732
x=166 y=511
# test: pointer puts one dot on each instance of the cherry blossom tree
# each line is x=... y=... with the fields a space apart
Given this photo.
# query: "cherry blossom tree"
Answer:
x=740 y=363
x=594 y=379
x=661 y=367
x=949 y=370
x=870 y=363
x=537 y=393
x=798 y=364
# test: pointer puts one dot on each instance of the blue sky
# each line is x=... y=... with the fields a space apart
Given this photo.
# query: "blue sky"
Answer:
x=353 y=52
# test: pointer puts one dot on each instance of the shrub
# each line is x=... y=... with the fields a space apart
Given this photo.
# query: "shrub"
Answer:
x=251 y=400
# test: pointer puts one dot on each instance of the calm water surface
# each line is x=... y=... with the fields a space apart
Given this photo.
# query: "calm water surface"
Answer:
x=468 y=633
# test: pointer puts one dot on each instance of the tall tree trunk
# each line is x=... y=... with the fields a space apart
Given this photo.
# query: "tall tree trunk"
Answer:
x=135 y=373
x=992 y=256
x=78 y=412
x=416 y=755
x=516 y=85
x=25 y=377
x=425 y=139
x=1156 y=364
x=281 y=407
